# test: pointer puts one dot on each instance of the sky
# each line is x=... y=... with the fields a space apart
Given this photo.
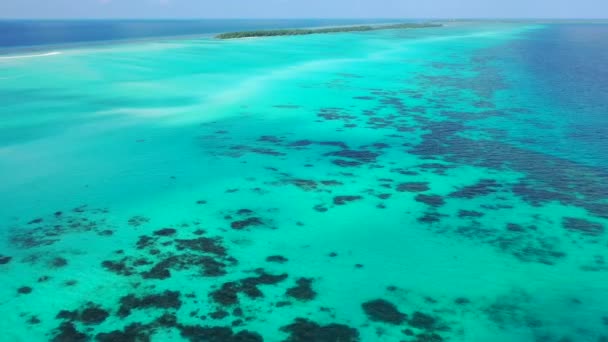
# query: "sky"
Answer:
x=303 y=8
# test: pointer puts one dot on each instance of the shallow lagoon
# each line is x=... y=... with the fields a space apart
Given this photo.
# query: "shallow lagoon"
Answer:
x=445 y=184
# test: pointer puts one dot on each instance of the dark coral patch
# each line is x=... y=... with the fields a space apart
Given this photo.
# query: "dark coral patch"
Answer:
x=68 y=333
x=264 y=151
x=536 y=195
x=404 y=172
x=423 y=321
x=482 y=188
x=303 y=330
x=413 y=187
x=331 y=183
x=469 y=213
x=430 y=218
x=242 y=224
x=342 y=200
x=304 y=184
x=47 y=232
x=67 y=315
x=59 y=262
x=431 y=200
x=137 y=221
x=247 y=336
x=320 y=208
x=208 y=266
x=93 y=315
x=429 y=337
x=583 y=226
x=132 y=333
x=36 y=221
x=340 y=144
x=217 y=334
x=34 y=320
x=249 y=285
x=346 y=163
x=380 y=310
x=303 y=290
x=277 y=258
x=206 y=255
x=360 y=156
x=271 y=139
x=220 y=314
x=245 y=212
x=165 y=232
x=227 y=294
x=436 y=168
x=24 y=290
x=119 y=267
x=514 y=227
x=5 y=259
x=144 y=242
x=462 y=301
x=301 y=143
x=203 y=244
x=43 y=279
x=598 y=209
x=380 y=145
x=165 y=300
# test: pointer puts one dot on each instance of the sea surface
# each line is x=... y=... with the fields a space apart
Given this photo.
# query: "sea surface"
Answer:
x=439 y=184
x=34 y=34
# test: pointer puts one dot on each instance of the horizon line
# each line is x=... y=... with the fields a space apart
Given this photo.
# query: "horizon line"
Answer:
x=308 y=18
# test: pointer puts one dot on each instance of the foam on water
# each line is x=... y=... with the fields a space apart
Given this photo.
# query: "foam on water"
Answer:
x=52 y=53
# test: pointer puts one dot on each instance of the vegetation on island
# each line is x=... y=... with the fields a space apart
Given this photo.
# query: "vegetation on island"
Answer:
x=299 y=32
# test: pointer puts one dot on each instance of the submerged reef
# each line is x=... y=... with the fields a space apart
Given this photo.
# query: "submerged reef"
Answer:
x=413 y=187
x=383 y=311
x=322 y=219
x=227 y=294
x=165 y=300
x=303 y=290
x=342 y=200
x=583 y=226
x=304 y=330
x=205 y=255
x=5 y=259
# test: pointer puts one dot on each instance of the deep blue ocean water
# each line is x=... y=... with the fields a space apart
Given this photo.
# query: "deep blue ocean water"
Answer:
x=571 y=61
x=568 y=68
x=31 y=33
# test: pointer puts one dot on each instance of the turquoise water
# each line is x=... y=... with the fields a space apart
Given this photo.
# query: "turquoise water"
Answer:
x=445 y=184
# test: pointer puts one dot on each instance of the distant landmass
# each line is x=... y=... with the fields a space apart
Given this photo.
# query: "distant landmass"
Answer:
x=40 y=34
x=300 y=32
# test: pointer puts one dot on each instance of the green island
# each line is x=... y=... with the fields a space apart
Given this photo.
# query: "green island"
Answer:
x=300 y=32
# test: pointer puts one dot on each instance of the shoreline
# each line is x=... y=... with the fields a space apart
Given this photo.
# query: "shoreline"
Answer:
x=326 y=30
